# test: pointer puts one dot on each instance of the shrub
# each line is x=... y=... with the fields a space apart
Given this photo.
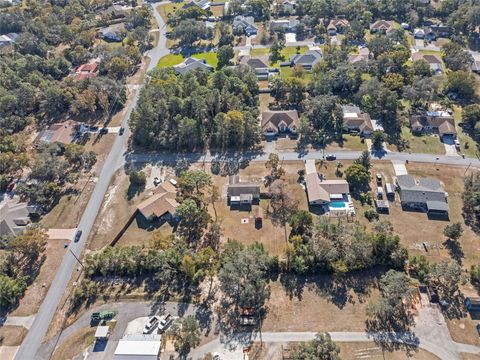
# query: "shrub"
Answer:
x=371 y=214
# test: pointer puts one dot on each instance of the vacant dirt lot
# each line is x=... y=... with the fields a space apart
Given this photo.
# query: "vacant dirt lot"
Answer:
x=12 y=335
x=75 y=344
x=372 y=351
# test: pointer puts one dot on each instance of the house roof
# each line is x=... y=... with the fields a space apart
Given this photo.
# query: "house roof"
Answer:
x=353 y=117
x=273 y=119
x=255 y=62
x=425 y=190
x=335 y=23
x=162 y=202
x=13 y=217
x=321 y=190
x=244 y=188
x=444 y=123
x=138 y=348
x=382 y=25
x=476 y=66
x=309 y=58
x=60 y=132
x=190 y=64
x=244 y=21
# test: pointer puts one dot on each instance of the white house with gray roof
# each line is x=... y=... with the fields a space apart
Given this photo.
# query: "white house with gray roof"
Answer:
x=190 y=64
x=307 y=60
x=424 y=194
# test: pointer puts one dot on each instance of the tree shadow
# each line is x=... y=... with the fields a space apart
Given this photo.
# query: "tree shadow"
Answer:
x=134 y=190
x=455 y=250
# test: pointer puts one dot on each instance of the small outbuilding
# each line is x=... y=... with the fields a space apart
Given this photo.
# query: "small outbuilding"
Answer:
x=102 y=332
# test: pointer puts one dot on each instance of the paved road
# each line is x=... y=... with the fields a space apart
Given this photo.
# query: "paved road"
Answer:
x=158 y=157
x=127 y=312
x=51 y=303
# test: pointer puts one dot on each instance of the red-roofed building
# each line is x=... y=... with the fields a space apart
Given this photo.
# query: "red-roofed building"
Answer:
x=86 y=71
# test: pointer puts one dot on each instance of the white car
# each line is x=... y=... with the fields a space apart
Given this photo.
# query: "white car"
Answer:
x=165 y=322
x=457 y=144
x=151 y=325
x=216 y=356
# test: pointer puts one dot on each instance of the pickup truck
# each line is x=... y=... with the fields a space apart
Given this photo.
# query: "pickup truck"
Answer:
x=165 y=322
x=151 y=325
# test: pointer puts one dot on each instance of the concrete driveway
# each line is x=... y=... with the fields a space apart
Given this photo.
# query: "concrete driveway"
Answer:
x=64 y=234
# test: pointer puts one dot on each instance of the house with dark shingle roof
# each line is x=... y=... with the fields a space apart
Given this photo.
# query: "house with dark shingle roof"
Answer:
x=439 y=122
x=307 y=60
x=277 y=122
x=190 y=64
x=259 y=64
x=244 y=25
x=242 y=193
x=356 y=120
x=424 y=194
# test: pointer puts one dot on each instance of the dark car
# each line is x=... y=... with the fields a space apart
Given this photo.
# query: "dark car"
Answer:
x=103 y=130
x=121 y=131
x=330 y=157
x=78 y=235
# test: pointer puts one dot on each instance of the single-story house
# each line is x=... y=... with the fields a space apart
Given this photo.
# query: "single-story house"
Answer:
x=15 y=217
x=61 y=133
x=440 y=122
x=116 y=11
x=161 y=204
x=337 y=26
x=436 y=64
x=202 y=4
x=363 y=55
x=356 y=120
x=281 y=121
x=425 y=194
x=307 y=60
x=259 y=64
x=419 y=33
x=114 y=33
x=86 y=71
x=382 y=26
x=242 y=193
x=472 y=303
x=285 y=24
x=476 y=66
x=437 y=30
x=8 y=39
x=323 y=192
x=288 y=5
x=244 y=25
x=190 y=64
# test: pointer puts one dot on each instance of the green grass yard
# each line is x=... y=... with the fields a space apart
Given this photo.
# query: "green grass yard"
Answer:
x=286 y=52
x=170 y=60
x=426 y=144
x=210 y=57
x=468 y=146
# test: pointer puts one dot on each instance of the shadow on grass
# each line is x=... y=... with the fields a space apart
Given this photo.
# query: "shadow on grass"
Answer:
x=455 y=250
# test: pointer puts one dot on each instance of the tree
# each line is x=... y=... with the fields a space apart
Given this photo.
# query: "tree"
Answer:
x=138 y=178
x=276 y=50
x=301 y=223
x=243 y=276
x=471 y=200
x=446 y=276
x=471 y=115
x=358 y=178
x=186 y=333
x=28 y=246
x=225 y=54
x=364 y=160
x=453 y=231
x=371 y=214
x=193 y=219
x=193 y=182
x=276 y=170
x=189 y=31
x=325 y=117
x=10 y=290
x=456 y=57
x=378 y=137
x=461 y=83
x=322 y=347
x=283 y=205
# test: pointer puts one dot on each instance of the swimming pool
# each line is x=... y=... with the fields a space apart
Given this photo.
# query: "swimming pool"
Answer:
x=337 y=205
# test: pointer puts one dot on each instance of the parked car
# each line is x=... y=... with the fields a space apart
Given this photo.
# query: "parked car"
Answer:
x=103 y=130
x=121 y=131
x=378 y=177
x=165 y=322
x=216 y=356
x=78 y=235
x=457 y=144
x=151 y=325
x=331 y=157
x=478 y=328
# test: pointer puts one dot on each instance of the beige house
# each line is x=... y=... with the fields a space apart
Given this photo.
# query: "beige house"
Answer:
x=440 y=122
x=161 y=204
x=278 y=122
x=323 y=192
x=356 y=120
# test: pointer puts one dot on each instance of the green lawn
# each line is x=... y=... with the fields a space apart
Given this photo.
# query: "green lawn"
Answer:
x=427 y=144
x=286 y=52
x=286 y=72
x=170 y=60
x=210 y=57
x=468 y=146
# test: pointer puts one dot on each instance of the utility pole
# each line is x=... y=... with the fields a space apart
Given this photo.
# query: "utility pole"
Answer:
x=76 y=258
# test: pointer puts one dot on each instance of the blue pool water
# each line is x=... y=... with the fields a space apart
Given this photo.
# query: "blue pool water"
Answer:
x=338 y=204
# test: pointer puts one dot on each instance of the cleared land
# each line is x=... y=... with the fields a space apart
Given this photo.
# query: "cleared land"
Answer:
x=12 y=335
x=427 y=144
x=75 y=344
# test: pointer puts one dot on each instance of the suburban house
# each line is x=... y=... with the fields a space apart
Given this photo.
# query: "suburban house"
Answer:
x=259 y=64
x=61 y=133
x=162 y=204
x=280 y=122
x=476 y=66
x=356 y=120
x=116 y=11
x=8 y=39
x=288 y=5
x=14 y=217
x=382 y=26
x=202 y=4
x=424 y=194
x=437 y=31
x=244 y=25
x=86 y=71
x=363 y=55
x=323 y=192
x=440 y=122
x=190 y=64
x=285 y=24
x=419 y=33
x=337 y=26
x=436 y=64
x=242 y=193
x=113 y=33
x=307 y=60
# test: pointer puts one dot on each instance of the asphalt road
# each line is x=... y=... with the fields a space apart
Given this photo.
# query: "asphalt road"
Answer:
x=33 y=340
x=159 y=157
